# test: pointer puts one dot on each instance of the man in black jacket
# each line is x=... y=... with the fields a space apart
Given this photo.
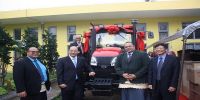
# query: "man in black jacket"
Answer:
x=70 y=73
x=163 y=74
x=31 y=77
x=78 y=44
x=132 y=66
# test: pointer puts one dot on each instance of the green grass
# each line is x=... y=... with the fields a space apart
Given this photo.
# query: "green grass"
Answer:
x=57 y=98
x=3 y=91
x=8 y=84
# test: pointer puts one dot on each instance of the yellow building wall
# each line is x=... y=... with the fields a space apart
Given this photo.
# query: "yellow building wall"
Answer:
x=174 y=23
x=97 y=8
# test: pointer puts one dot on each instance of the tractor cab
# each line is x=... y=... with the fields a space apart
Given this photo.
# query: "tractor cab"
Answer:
x=102 y=45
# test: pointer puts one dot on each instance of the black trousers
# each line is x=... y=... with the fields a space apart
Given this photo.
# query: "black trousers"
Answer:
x=162 y=94
x=40 y=96
x=75 y=94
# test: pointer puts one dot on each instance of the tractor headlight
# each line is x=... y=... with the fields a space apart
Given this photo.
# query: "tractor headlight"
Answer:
x=93 y=61
x=113 y=61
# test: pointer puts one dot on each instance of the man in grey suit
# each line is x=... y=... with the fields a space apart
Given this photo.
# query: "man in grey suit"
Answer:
x=132 y=67
x=70 y=72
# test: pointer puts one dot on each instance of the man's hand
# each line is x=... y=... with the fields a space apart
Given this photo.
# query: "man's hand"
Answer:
x=92 y=73
x=22 y=94
x=62 y=85
x=125 y=75
x=131 y=76
x=171 y=89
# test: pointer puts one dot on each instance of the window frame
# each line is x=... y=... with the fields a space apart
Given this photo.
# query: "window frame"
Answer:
x=35 y=31
x=52 y=33
x=71 y=34
x=163 y=31
x=14 y=34
x=145 y=28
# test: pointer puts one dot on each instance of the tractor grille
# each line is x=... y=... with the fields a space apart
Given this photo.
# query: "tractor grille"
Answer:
x=104 y=60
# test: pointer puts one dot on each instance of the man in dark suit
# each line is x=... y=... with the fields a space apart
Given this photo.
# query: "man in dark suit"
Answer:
x=31 y=77
x=70 y=73
x=132 y=67
x=163 y=74
x=79 y=44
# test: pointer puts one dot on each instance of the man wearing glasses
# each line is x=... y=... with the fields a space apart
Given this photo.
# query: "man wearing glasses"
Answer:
x=31 y=77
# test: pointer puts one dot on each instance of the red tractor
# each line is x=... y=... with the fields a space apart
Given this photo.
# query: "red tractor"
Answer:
x=102 y=45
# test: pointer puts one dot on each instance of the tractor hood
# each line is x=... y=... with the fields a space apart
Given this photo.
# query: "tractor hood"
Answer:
x=107 y=52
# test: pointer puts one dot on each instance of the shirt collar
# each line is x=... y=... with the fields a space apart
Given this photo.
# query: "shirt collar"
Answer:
x=32 y=58
x=163 y=56
x=73 y=57
x=78 y=42
x=129 y=52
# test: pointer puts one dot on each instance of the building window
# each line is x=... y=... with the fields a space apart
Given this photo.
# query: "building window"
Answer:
x=34 y=32
x=17 y=34
x=141 y=27
x=163 y=30
x=52 y=30
x=195 y=34
x=194 y=46
x=71 y=31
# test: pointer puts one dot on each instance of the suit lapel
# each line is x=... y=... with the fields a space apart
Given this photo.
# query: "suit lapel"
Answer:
x=32 y=66
x=128 y=60
x=132 y=57
x=156 y=64
x=78 y=62
x=165 y=63
x=70 y=62
x=125 y=58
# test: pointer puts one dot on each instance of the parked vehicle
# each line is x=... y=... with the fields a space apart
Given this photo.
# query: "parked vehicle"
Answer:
x=102 y=46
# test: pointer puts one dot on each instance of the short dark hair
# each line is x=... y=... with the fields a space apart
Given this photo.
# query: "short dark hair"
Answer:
x=161 y=44
x=130 y=43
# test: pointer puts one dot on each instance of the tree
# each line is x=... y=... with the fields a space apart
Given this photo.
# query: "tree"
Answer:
x=29 y=39
x=48 y=51
x=6 y=45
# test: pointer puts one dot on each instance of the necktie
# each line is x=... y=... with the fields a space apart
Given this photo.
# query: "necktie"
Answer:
x=39 y=70
x=74 y=61
x=129 y=57
x=159 y=67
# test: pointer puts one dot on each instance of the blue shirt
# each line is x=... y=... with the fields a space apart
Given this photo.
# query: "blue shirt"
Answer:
x=41 y=66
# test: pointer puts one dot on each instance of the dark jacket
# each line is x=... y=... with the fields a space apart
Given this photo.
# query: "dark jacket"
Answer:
x=27 y=78
x=66 y=71
x=169 y=72
x=137 y=66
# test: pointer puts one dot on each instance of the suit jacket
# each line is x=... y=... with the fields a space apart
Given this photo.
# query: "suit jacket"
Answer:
x=79 y=49
x=169 y=73
x=137 y=65
x=27 y=77
x=66 y=71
